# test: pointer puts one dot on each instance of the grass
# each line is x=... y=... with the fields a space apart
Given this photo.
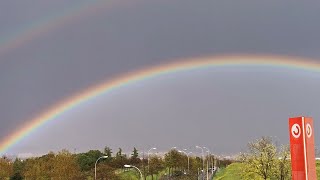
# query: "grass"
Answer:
x=229 y=173
x=233 y=172
x=318 y=169
x=133 y=175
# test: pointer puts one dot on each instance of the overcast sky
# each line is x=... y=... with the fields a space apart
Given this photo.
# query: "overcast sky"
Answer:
x=221 y=108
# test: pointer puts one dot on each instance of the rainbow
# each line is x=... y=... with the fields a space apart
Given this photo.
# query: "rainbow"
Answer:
x=147 y=73
x=36 y=29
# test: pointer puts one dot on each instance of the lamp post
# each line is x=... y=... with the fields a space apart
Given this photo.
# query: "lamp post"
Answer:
x=188 y=158
x=130 y=166
x=202 y=159
x=208 y=151
x=202 y=156
x=95 y=165
x=148 y=156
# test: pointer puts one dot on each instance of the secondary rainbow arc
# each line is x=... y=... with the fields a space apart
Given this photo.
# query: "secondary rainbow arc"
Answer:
x=143 y=74
x=27 y=34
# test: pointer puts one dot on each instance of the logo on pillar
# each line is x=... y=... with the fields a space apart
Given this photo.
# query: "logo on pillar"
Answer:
x=296 y=130
x=309 y=130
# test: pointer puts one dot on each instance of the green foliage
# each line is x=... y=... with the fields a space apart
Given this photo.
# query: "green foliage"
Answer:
x=134 y=160
x=104 y=171
x=263 y=156
x=61 y=166
x=173 y=159
x=155 y=165
x=283 y=165
x=265 y=161
x=16 y=176
x=261 y=159
x=318 y=169
x=18 y=166
x=135 y=153
x=65 y=166
x=119 y=153
x=6 y=168
x=87 y=160
x=120 y=160
x=108 y=152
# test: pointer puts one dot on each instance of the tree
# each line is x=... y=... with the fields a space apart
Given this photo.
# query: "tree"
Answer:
x=135 y=153
x=155 y=165
x=173 y=160
x=16 y=176
x=195 y=164
x=106 y=172
x=6 y=168
x=261 y=160
x=134 y=160
x=120 y=160
x=87 y=160
x=283 y=170
x=18 y=167
x=108 y=152
x=36 y=168
x=65 y=166
x=119 y=153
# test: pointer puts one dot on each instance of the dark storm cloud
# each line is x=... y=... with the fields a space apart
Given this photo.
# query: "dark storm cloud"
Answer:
x=100 y=46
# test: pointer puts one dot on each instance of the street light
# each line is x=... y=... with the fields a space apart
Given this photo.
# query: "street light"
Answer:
x=130 y=166
x=148 y=156
x=202 y=156
x=188 y=158
x=208 y=151
x=95 y=165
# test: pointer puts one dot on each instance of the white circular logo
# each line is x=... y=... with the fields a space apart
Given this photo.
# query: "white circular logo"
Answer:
x=309 y=130
x=296 y=131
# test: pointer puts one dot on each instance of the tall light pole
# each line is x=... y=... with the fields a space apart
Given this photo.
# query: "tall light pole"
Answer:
x=130 y=166
x=188 y=158
x=208 y=151
x=202 y=160
x=202 y=156
x=148 y=156
x=95 y=165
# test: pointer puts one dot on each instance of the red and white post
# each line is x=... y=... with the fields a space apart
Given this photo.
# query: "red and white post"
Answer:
x=302 y=148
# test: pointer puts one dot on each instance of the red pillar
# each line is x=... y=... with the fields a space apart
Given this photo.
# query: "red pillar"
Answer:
x=302 y=148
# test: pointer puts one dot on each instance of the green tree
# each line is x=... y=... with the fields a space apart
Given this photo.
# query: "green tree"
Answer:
x=6 y=168
x=135 y=153
x=120 y=160
x=18 y=167
x=260 y=160
x=87 y=160
x=134 y=160
x=155 y=165
x=65 y=166
x=174 y=160
x=104 y=171
x=283 y=168
x=195 y=165
x=37 y=168
x=119 y=153
x=108 y=152
x=16 y=176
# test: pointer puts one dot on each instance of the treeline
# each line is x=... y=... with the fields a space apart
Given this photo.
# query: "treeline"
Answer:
x=67 y=166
